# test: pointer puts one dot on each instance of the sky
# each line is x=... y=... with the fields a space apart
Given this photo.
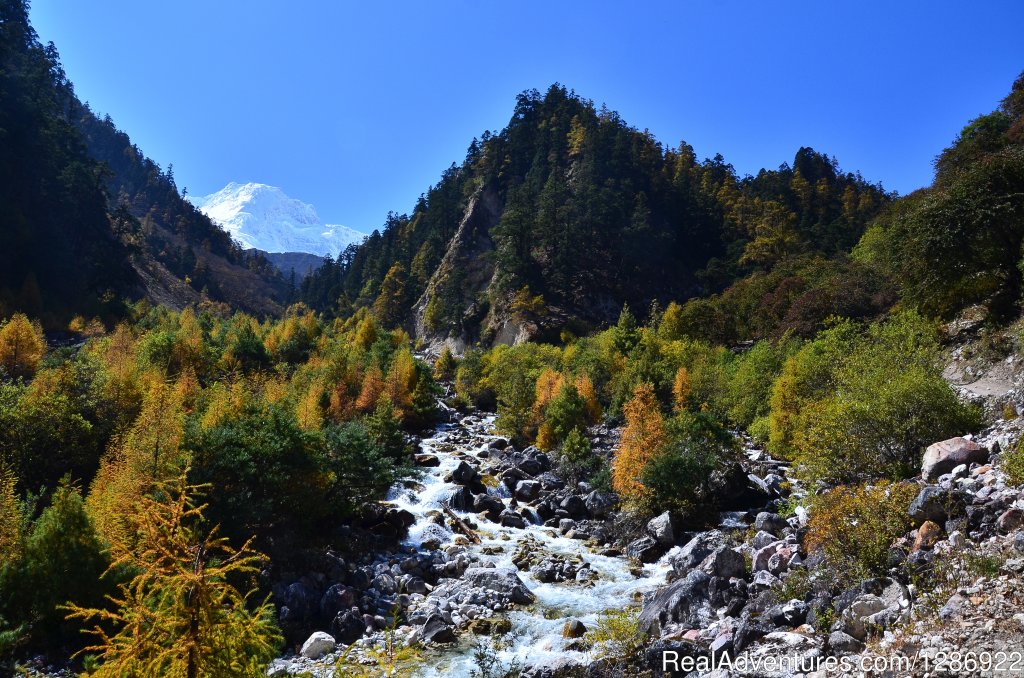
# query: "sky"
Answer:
x=358 y=107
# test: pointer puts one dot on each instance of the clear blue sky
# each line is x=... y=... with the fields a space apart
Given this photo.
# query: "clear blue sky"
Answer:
x=357 y=108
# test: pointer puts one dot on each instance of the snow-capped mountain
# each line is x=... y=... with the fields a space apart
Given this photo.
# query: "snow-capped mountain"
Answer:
x=261 y=216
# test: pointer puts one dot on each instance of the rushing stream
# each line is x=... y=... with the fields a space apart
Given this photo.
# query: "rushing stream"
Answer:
x=536 y=635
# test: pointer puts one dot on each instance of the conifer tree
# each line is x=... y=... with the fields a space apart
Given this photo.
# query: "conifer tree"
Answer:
x=181 y=616
x=641 y=441
x=22 y=346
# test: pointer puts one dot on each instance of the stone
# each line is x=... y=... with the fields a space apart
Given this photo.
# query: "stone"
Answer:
x=927 y=535
x=724 y=562
x=887 y=603
x=662 y=529
x=942 y=457
x=685 y=602
x=464 y=474
x=645 y=549
x=527 y=490
x=503 y=581
x=437 y=630
x=1010 y=520
x=771 y=523
x=843 y=644
x=599 y=504
x=765 y=579
x=510 y=518
x=574 y=628
x=317 y=645
x=696 y=550
x=762 y=555
x=575 y=506
x=791 y=614
x=426 y=460
x=1018 y=541
x=930 y=504
x=762 y=539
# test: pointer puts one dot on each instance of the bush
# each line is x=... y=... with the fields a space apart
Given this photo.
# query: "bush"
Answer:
x=858 y=404
x=62 y=560
x=1013 y=463
x=617 y=635
x=678 y=478
x=856 y=525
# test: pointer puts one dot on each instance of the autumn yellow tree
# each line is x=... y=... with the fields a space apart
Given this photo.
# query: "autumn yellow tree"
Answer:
x=681 y=389
x=371 y=390
x=642 y=440
x=181 y=616
x=401 y=381
x=589 y=394
x=22 y=346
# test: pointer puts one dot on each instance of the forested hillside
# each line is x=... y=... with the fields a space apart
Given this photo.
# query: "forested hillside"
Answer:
x=568 y=213
x=87 y=220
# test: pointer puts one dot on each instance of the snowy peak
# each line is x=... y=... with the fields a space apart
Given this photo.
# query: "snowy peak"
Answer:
x=264 y=217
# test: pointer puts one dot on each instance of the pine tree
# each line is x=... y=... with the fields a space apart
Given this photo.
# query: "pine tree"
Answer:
x=180 y=616
x=627 y=334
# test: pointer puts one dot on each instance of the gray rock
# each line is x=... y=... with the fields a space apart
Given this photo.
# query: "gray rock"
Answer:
x=935 y=504
x=645 y=549
x=575 y=506
x=510 y=518
x=763 y=555
x=464 y=474
x=527 y=490
x=944 y=456
x=843 y=644
x=348 y=627
x=437 y=630
x=696 y=550
x=503 y=581
x=771 y=523
x=317 y=645
x=762 y=539
x=685 y=602
x=662 y=529
x=1010 y=520
x=1018 y=541
x=765 y=580
x=724 y=562
x=873 y=612
x=599 y=504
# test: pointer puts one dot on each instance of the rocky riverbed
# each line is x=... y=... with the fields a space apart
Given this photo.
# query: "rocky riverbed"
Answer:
x=500 y=552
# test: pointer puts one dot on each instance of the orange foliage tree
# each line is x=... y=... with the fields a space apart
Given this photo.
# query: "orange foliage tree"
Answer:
x=641 y=440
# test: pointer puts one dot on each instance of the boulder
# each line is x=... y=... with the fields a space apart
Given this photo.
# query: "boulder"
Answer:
x=771 y=523
x=574 y=628
x=575 y=506
x=599 y=504
x=510 y=518
x=662 y=529
x=645 y=549
x=724 y=562
x=696 y=550
x=436 y=630
x=464 y=474
x=883 y=603
x=426 y=460
x=527 y=490
x=685 y=602
x=317 y=645
x=503 y=581
x=927 y=535
x=843 y=644
x=944 y=456
x=1010 y=520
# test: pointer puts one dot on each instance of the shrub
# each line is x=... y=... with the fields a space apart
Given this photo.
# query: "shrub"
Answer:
x=855 y=525
x=1013 y=463
x=641 y=440
x=617 y=635
x=576 y=460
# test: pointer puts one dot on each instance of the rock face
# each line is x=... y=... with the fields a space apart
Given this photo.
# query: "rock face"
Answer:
x=685 y=602
x=943 y=457
x=317 y=645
